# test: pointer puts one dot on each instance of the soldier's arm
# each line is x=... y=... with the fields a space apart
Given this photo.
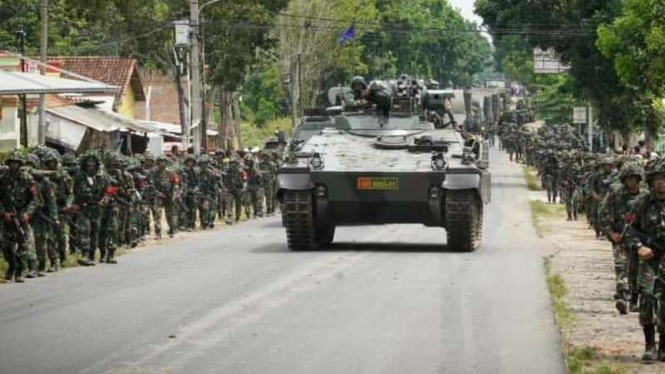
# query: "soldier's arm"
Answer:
x=32 y=195
x=49 y=200
x=69 y=190
x=606 y=213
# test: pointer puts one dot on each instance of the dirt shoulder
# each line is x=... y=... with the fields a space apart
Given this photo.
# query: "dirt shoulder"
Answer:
x=596 y=338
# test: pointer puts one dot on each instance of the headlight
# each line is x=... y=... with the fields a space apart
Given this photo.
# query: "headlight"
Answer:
x=316 y=161
x=438 y=161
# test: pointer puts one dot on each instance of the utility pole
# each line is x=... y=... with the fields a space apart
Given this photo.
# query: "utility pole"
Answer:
x=23 y=130
x=43 y=46
x=300 y=95
x=196 y=76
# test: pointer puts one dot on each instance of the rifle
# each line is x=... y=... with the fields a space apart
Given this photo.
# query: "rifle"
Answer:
x=16 y=225
x=53 y=223
x=650 y=242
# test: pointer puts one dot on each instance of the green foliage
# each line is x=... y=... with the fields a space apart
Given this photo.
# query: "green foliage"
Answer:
x=263 y=95
x=427 y=38
x=554 y=98
x=569 y=28
x=254 y=136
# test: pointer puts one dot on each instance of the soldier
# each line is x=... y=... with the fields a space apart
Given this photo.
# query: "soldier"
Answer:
x=600 y=182
x=612 y=216
x=45 y=217
x=569 y=180
x=269 y=173
x=18 y=202
x=208 y=192
x=109 y=237
x=90 y=187
x=166 y=184
x=191 y=191
x=647 y=217
x=255 y=189
x=551 y=173
x=72 y=166
x=234 y=183
x=63 y=189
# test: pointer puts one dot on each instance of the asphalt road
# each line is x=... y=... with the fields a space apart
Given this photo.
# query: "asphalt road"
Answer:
x=383 y=299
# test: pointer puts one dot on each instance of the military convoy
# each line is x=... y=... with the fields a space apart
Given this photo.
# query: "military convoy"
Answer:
x=390 y=153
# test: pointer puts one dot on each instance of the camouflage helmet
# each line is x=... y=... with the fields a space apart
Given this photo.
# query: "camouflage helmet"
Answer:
x=204 y=159
x=69 y=159
x=33 y=160
x=90 y=156
x=161 y=158
x=607 y=160
x=359 y=82
x=655 y=167
x=631 y=168
x=15 y=156
x=50 y=155
x=190 y=157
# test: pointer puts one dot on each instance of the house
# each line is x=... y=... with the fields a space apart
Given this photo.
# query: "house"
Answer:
x=115 y=71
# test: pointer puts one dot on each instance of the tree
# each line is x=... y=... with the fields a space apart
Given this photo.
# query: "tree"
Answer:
x=635 y=43
x=569 y=28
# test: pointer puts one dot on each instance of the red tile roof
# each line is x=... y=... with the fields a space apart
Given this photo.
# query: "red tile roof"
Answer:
x=116 y=71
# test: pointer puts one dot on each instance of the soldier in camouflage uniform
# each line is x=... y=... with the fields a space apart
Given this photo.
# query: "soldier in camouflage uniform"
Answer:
x=63 y=187
x=191 y=191
x=71 y=164
x=569 y=180
x=600 y=182
x=647 y=217
x=90 y=188
x=234 y=184
x=255 y=183
x=18 y=202
x=269 y=174
x=208 y=192
x=551 y=172
x=110 y=210
x=46 y=216
x=612 y=219
x=166 y=185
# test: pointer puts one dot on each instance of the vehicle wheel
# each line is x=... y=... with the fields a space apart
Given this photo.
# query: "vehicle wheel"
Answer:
x=464 y=217
x=298 y=218
x=325 y=235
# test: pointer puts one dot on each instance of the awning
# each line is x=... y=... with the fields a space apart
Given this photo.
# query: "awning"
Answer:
x=172 y=128
x=15 y=83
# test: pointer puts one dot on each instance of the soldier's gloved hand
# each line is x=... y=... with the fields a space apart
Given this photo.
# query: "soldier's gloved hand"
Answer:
x=7 y=217
x=25 y=218
x=645 y=253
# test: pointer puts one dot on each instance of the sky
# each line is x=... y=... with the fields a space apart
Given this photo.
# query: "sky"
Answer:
x=466 y=8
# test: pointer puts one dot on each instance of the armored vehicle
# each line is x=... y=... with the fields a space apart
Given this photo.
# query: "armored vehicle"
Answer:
x=383 y=162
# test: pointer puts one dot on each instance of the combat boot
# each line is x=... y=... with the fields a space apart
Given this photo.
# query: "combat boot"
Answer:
x=41 y=269
x=634 y=303
x=661 y=347
x=158 y=236
x=54 y=266
x=83 y=261
x=9 y=274
x=32 y=272
x=650 y=352
x=620 y=303
x=110 y=259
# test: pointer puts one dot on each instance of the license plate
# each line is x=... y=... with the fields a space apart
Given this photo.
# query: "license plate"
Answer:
x=377 y=184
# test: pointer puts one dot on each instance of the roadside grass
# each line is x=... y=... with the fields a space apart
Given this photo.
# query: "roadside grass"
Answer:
x=579 y=359
x=532 y=181
x=542 y=212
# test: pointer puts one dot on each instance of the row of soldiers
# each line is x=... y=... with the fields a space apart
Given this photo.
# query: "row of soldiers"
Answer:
x=53 y=206
x=623 y=198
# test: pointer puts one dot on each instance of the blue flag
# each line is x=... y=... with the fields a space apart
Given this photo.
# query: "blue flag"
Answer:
x=348 y=34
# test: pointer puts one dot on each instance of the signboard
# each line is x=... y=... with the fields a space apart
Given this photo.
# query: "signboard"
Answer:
x=579 y=115
x=548 y=62
x=182 y=33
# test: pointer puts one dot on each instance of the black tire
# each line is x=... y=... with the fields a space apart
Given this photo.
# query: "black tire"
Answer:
x=464 y=220
x=298 y=218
